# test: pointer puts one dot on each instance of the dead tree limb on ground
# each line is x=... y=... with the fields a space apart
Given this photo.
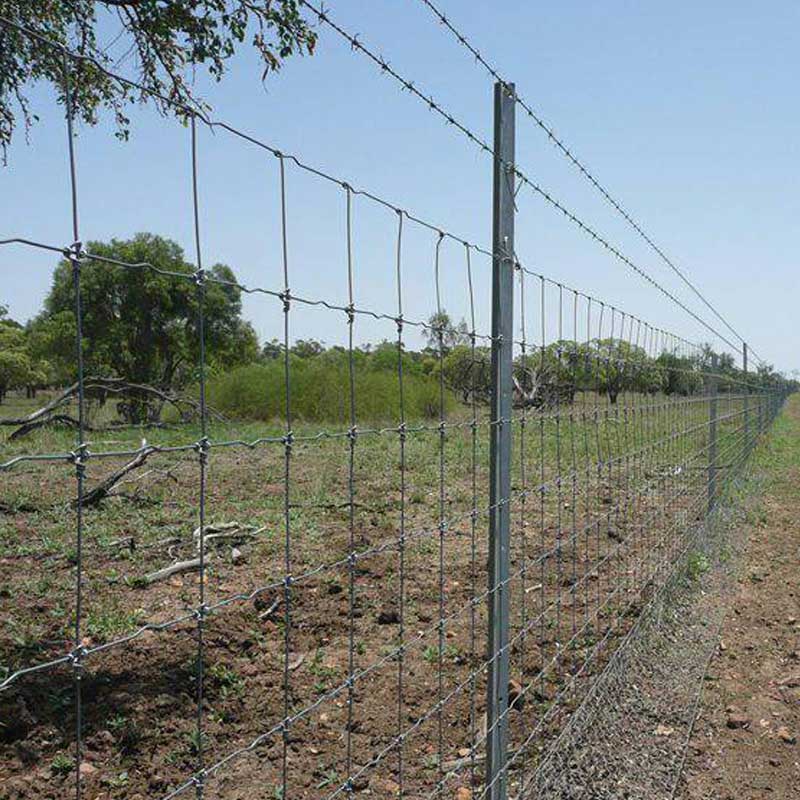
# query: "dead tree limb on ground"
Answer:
x=228 y=532
x=100 y=388
x=174 y=569
x=96 y=494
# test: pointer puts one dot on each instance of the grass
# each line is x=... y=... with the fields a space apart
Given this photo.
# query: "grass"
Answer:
x=320 y=392
x=636 y=468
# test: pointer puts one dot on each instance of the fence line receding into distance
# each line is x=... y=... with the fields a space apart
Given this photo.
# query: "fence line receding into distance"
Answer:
x=435 y=623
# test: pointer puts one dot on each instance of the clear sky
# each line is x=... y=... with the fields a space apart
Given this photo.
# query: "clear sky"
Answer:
x=686 y=111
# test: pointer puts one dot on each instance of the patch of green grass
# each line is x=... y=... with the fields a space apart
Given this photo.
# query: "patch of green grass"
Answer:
x=111 y=620
x=320 y=392
x=118 y=781
x=62 y=764
x=697 y=565
x=330 y=778
x=228 y=680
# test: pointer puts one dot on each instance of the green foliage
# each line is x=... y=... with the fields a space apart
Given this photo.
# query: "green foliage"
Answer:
x=140 y=325
x=697 y=565
x=619 y=366
x=171 y=42
x=320 y=391
x=678 y=374
x=19 y=368
x=468 y=373
x=62 y=764
x=452 y=334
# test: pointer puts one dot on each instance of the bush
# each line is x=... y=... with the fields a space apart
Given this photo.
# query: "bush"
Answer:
x=320 y=392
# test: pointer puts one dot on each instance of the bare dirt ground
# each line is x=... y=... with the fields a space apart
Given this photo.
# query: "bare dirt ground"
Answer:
x=746 y=741
x=587 y=550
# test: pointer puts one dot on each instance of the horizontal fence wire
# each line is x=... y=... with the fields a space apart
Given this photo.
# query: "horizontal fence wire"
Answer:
x=346 y=649
x=410 y=86
x=569 y=154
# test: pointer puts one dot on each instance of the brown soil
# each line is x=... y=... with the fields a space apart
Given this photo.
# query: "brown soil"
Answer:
x=746 y=741
x=595 y=544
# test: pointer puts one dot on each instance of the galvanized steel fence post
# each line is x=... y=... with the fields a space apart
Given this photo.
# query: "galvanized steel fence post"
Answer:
x=712 y=434
x=747 y=442
x=500 y=440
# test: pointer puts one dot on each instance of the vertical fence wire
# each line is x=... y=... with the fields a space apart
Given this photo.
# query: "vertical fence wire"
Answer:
x=80 y=451
x=632 y=434
x=401 y=543
x=200 y=667
x=288 y=443
x=351 y=490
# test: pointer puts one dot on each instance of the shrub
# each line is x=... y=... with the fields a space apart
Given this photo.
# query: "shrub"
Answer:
x=320 y=392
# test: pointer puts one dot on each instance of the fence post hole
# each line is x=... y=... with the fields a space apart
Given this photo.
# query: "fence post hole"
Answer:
x=712 y=434
x=500 y=440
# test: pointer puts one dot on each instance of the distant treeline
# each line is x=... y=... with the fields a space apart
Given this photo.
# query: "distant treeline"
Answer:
x=140 y=302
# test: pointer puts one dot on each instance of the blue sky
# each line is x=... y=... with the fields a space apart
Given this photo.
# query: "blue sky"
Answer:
x=686 y=111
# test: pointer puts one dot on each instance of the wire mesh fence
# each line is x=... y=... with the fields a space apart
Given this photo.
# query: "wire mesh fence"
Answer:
x=411 y=599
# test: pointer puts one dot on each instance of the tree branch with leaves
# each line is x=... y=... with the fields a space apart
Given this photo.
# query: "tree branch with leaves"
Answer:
x=169 y=40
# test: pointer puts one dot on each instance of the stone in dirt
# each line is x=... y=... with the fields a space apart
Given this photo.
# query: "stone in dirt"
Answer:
x=785 y=735
x=736 y=720
x=664 y=730
x=388 y=616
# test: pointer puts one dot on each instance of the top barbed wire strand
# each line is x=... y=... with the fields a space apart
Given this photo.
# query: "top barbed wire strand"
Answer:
x=579 y=165
x=433 y=105
x=409 y=85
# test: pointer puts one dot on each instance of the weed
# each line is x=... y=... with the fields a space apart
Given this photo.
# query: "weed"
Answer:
x=111 y=620
x=229 y=681
x=197 y=741
x=126 y=732
x=697 y=565
x=117 y=781
x=62 y=764
x=330 y=778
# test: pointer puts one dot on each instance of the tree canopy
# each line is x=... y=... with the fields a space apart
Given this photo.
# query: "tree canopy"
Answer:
x=141 y=325
x=170 y=41
x=19 y=366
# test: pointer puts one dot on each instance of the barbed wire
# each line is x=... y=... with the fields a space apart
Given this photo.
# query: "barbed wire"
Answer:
x=409 y=85
x=566 y=151
x=356 y=44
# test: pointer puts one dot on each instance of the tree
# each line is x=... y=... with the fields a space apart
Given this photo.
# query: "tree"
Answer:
x=272 y=349
x=620 y=366
x=452 y=335
x=307 y=348
x=142 y=326
x=170 y=41
x=679 y=374
x=18 y=369
x=468 y=373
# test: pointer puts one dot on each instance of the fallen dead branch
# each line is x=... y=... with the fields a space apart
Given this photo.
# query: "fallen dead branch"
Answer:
x=273 y=607
x=55 y=420
x=100 y=388
x=228 y=532
x=233 y=532
x=175 y=569
x=95 y=495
